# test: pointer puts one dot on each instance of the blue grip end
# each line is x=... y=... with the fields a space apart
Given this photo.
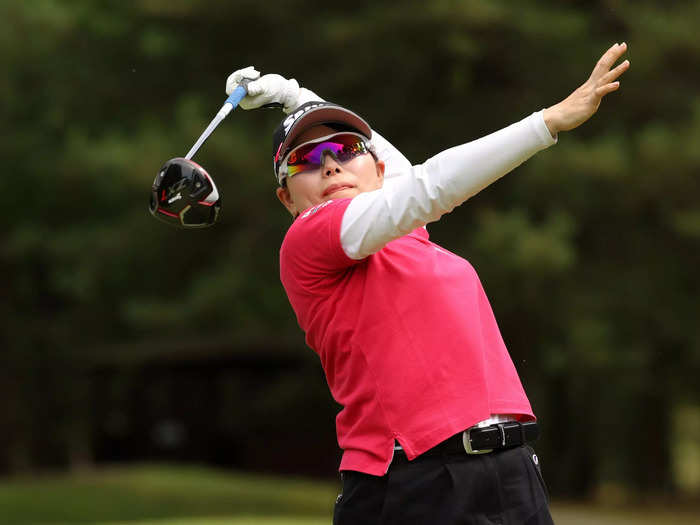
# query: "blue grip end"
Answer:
x=238 y=94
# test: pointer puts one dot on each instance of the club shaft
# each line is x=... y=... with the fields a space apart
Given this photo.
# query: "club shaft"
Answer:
x=230 y=104
x=204 y=136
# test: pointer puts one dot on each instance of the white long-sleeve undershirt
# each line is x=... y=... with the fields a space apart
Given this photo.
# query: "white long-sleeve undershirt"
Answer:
x=424 y=192
x=394 y=161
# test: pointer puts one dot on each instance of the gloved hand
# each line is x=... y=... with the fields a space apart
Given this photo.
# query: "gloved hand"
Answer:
x=269 y=89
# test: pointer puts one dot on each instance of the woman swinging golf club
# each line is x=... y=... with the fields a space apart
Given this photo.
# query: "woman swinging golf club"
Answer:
x=435 y=423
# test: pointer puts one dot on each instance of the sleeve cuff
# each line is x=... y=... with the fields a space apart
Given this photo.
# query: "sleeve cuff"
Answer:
x=542 y=130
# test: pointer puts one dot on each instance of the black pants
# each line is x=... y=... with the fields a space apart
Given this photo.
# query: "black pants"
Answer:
x=503 y=487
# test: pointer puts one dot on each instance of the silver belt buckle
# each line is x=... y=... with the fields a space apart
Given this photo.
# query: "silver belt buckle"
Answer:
x=467 y=442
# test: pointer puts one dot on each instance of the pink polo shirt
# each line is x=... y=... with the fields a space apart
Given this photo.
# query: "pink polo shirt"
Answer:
x=406 y=337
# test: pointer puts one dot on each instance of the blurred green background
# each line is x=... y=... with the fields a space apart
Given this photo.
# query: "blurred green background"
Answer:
x=133 y=352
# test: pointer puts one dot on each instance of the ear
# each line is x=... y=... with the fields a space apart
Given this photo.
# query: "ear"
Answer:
x=380 y=170
x=286 y=199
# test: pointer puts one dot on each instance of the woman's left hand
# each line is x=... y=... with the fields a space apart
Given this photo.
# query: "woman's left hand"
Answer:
x=578 y=107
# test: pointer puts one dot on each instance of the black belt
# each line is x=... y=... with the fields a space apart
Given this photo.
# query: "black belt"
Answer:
x=480 y=440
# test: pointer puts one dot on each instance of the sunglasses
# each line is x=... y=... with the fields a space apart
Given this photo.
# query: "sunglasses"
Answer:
x=309 y=156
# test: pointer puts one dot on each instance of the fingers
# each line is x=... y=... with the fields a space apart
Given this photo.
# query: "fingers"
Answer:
x=606 y=78
x=247 y=72
x=254 y=88
x=613 y=75
x=608 y=60
x=607 y=88
x=235 y=78
x=266 y=83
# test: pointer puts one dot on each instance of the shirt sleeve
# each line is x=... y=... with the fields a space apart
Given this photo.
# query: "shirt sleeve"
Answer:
x=395 y=162
x=436 y=187
x=311 y=249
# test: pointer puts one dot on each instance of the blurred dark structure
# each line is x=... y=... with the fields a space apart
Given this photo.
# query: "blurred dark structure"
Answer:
x=228 y=408
x=125 y=340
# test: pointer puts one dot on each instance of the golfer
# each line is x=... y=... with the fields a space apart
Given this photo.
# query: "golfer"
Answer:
x=435 y=426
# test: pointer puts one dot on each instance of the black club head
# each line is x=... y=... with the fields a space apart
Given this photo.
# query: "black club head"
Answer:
x=184 y=195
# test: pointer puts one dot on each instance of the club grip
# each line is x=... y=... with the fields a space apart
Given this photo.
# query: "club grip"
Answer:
x=238 y=93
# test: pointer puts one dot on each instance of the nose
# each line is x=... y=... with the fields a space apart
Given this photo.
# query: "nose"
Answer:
x=330 y=166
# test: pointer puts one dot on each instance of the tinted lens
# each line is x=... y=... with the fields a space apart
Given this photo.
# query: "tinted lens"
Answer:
x=309 y=157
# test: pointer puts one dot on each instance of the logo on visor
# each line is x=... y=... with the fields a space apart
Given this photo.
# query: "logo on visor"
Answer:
x=291 y=119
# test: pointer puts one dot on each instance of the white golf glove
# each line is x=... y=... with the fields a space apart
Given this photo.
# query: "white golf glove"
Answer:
x=269 y=89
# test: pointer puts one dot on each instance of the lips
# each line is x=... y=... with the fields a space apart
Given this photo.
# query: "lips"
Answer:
x=335 y=187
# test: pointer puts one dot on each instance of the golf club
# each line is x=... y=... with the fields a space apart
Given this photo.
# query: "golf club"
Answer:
x=183 y=193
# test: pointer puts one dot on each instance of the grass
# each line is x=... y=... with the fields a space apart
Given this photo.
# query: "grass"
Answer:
x=241 y=520
x=152 y=493
x=587 y=515
x=170 y=495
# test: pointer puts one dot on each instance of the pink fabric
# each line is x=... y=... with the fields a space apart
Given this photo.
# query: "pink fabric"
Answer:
x=406 y=337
